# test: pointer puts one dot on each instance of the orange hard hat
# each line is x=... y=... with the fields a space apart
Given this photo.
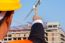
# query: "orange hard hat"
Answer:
x=21 y=41
x=8 y=5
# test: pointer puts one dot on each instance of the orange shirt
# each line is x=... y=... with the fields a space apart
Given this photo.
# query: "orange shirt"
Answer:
x=21 y=41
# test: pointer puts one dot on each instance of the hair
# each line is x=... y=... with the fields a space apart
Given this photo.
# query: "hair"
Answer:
x=7 y=15
x=0 y=11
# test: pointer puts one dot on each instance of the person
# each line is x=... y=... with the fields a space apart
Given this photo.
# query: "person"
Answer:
x=36 y=34
x=37 y=30
x=5 y=21
x=7 y=8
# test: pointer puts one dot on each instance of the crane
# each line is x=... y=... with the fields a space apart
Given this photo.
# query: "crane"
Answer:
x=35 y=8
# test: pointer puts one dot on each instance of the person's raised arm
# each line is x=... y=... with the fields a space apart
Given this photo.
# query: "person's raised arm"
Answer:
x=37 y=31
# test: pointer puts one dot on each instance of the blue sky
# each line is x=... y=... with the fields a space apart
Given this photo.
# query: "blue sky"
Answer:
x=49 y=10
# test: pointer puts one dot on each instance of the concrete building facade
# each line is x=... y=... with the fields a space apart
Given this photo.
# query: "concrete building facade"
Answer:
x=53 y=34
x=16 y=35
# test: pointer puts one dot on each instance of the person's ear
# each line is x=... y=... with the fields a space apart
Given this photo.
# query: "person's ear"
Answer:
x=2 y=14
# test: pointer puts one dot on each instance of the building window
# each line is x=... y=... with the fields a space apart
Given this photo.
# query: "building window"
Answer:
x=63 y=39
x=24 y=38
x=54 y=26
x=50 y=26
x=46 y=38
x=9 y=38
x=5 y=39
x=52 y=39
x=19 y=38
x=14 y=38
x=49 y=30
x=9 y=35
x=62 y=35
x=46 y=34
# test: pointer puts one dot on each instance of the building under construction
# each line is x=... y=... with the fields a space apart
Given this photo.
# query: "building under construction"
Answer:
x=53 y=33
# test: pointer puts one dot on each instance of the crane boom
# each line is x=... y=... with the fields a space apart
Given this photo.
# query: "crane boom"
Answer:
x=35 y=7
x=38 y=3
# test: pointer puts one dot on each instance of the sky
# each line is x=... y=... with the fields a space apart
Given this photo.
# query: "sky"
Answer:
x=49 y=10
